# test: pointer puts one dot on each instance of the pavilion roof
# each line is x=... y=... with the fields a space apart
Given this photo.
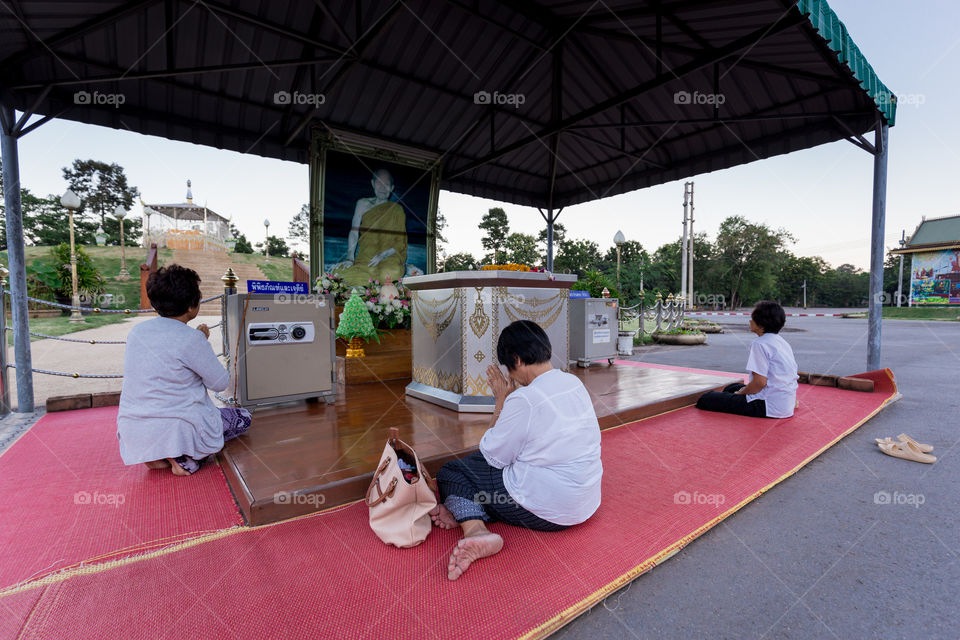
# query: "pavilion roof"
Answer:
x=536 y=103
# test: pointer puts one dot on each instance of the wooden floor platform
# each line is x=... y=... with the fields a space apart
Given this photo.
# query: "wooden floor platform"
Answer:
x=304 y=457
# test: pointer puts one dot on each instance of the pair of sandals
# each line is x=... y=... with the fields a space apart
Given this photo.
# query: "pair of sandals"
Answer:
x=907 y=448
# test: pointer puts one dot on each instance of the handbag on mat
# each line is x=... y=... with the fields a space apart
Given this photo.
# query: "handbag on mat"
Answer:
x=401 y=496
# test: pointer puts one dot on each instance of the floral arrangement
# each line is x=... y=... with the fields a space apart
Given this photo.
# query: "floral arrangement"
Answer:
x=333 y=283
x=505 y=267
x=388 y=303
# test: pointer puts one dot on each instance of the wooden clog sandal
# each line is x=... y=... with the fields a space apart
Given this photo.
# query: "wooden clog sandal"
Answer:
x=926 y=448
x=907 y=451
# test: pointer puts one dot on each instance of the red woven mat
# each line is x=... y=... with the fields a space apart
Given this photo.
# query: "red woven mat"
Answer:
x=66 y=497
x=667 y=479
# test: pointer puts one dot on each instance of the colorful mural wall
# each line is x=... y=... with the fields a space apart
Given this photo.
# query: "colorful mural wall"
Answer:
x=935 y=277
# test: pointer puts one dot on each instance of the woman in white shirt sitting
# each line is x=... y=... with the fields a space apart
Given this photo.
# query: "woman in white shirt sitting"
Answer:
x=539 y=463
x=772 y=390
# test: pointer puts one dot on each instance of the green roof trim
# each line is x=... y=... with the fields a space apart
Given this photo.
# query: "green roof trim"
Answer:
x=834 y=32
x=937 y=231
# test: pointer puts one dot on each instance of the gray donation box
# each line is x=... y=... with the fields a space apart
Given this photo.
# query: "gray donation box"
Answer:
x=593 y=330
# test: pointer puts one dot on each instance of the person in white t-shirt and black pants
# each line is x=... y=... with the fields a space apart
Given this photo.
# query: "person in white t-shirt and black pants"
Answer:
x=772 y=390
x=538 y=466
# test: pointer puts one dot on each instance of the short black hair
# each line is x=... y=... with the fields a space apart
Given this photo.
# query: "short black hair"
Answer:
x=173 y=290
x=769 y=316
x=525 y=340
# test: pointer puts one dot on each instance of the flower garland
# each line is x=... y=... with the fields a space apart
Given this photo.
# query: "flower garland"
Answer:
x=505 y=267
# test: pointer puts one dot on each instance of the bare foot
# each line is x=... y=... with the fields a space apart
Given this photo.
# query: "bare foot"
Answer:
x=157 y=464
x=471 y=549
x=442 y=518
x=176 y=468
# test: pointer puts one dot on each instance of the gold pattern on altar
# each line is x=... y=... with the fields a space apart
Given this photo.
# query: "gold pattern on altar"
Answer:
x=479 y=321
x=543 y=311
x=479 y=356
x=435 y=315
x=439 y=379
x=476 y=385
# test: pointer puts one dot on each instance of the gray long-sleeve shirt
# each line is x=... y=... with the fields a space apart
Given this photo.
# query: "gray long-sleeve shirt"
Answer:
x=165 y=410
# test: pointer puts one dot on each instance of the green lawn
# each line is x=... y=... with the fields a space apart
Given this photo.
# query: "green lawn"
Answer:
x=61 y=325
x=107 y=260
x=922 y=313
x=278 y=268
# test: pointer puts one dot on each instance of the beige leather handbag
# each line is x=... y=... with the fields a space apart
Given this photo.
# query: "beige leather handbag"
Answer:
x=400 y=508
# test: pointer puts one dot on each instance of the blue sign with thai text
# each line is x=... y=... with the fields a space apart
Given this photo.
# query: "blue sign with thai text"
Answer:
x=579 y=294
x=273 y=286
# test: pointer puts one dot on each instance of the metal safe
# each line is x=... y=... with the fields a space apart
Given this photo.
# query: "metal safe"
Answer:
x=593 y=330
x=281 y=348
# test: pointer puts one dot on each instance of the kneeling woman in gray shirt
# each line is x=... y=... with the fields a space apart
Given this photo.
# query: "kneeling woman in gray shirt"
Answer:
x=538 y=465
x=166 y=417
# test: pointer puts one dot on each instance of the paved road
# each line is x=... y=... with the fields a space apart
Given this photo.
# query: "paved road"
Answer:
x=815 y=557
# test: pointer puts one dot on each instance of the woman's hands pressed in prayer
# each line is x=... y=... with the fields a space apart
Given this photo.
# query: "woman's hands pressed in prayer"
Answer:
x=499 y=384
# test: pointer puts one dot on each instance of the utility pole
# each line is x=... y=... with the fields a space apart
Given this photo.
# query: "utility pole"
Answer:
x=903 y=242
x=804 y=293
x=690 y=253
x=683 y=247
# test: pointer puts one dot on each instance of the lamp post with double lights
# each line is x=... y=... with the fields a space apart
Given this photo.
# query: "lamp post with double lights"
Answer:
x=120 y=213
x=71 y=201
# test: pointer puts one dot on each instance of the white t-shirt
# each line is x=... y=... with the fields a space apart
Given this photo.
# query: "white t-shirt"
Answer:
x=547 y=441
x=772 y=357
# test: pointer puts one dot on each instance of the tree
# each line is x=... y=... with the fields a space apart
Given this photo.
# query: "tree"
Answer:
x=847 y=286
x=793 y=272
x=460 y=262
x=496 y=229
x=559 y=234
x=299 y=229
x=521 y=248
x=439 y=226
x=577 y=256
x=747 y=256
x=278 y=248
x=101 y=187
x=243 y=245
x=46 y=222
x=634 y=265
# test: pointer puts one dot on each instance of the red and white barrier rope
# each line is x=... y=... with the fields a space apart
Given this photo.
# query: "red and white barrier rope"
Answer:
x=789 y=315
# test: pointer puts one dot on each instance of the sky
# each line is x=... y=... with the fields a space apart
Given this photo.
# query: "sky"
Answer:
x=822 y=195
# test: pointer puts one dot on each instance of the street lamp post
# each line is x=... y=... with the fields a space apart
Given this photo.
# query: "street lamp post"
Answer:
x=148 y=211
x=903 y=242
x=72 y=203
x=120 y=213
x=618 y=240
x=266 y=241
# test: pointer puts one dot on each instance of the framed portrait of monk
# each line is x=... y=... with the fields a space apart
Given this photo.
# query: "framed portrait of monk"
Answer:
x=376 y=212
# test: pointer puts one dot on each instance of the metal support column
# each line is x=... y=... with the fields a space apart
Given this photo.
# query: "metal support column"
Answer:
x=4 y=388
x=550 y=240
x=15 y=254
x=877 y=246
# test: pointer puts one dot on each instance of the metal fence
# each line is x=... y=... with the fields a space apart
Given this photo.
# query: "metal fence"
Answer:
x=5 y=365
x=662 y=315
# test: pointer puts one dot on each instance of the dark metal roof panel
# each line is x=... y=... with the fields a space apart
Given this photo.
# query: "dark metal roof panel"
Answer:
x=215 y=73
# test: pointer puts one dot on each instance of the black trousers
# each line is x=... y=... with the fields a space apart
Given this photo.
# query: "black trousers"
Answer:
x=478 y=493
x=727 y=401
